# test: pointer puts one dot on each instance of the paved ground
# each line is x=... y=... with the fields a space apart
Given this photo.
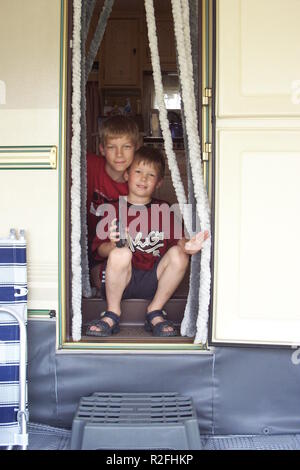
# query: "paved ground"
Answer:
x=48 y=438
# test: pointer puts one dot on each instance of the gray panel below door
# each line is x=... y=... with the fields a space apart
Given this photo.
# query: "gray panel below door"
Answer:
x=257 y=391
x=235 y=390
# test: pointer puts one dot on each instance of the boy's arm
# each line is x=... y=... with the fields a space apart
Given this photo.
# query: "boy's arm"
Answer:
x=182 y=243
x=105 y=248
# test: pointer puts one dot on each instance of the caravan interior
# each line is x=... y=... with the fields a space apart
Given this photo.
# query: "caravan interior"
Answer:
x=121 y=74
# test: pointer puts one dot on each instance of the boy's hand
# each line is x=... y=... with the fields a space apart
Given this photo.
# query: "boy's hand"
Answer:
x=114 y=236
x=196 y=243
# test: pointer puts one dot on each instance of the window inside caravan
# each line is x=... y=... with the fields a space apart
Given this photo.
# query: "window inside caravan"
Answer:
x=172 y=92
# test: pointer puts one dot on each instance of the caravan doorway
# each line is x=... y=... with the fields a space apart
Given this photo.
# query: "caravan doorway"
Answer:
x=106 y=90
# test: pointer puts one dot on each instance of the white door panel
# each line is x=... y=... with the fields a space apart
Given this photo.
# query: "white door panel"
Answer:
x=257 y=258
x=256 y=298
x=258 y=65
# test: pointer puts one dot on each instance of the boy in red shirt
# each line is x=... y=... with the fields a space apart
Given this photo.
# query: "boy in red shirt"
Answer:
x=119 y=137
x=156 y=255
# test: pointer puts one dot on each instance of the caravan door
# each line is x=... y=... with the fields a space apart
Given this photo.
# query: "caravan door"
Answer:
x=256 y=295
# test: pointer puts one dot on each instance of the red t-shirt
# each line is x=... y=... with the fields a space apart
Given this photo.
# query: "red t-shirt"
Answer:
x=101 y=188
x=153 y=229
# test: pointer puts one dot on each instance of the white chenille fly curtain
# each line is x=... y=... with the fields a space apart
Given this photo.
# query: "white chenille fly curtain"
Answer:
x=180 y=10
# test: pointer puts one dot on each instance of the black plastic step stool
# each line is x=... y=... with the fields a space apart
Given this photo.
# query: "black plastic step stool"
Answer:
x=135 y=421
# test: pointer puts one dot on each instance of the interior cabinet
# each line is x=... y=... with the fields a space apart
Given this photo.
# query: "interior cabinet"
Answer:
x=119 y=57
x=166 y=45
x=125 y=51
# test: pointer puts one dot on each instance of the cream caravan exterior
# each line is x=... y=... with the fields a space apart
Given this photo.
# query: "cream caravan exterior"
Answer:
x=31 y=152
x=257 y=144
x=250 y=143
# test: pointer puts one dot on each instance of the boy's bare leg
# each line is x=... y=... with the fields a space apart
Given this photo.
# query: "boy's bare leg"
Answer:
x=117 y=277
x=170 y=272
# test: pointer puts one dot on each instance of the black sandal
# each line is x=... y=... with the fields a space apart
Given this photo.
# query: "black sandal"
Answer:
x=158 y=329
x=106 y=329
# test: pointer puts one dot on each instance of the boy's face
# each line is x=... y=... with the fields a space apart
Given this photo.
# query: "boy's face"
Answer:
x=143 y=179
x=119 y=152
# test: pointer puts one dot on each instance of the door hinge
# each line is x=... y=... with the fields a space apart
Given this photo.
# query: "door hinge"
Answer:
x=206 y=96
x=207 y=151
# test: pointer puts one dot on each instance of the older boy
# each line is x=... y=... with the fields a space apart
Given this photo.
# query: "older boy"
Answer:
x=119 y=136
x=152 y=264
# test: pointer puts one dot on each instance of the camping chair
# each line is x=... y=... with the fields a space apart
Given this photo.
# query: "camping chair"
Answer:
x=13 y=341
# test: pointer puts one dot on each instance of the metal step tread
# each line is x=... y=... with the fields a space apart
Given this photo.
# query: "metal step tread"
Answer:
x=136 y=408
x=135 y=421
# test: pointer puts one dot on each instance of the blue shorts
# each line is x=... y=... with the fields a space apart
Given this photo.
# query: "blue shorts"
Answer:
x=142 y=285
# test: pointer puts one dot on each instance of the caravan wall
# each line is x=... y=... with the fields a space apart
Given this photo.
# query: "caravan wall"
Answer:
x=236 y=390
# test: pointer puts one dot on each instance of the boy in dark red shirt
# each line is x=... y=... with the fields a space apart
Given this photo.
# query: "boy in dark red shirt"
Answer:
x=156 y=255
x=119 y=136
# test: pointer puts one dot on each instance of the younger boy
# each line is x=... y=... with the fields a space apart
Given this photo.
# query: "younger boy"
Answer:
x=119 y=136
x=152 y=264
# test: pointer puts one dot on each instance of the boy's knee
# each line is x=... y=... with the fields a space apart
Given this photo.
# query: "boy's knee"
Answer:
x=178 y=257
x=120 y=257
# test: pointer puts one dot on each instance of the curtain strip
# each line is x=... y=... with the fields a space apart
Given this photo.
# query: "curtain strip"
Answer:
x=180 y=9
x=89 y=9
x=87 y=63
x=76 y=180
x=96 y=41
x=82 y=14
x=188 y=326
x=163 y=118
x=86 y=286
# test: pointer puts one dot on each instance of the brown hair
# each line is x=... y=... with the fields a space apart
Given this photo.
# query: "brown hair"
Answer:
x=118 y=126
x=153 y=156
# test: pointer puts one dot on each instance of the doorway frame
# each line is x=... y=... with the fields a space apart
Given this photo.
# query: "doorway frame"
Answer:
x=64 y=340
